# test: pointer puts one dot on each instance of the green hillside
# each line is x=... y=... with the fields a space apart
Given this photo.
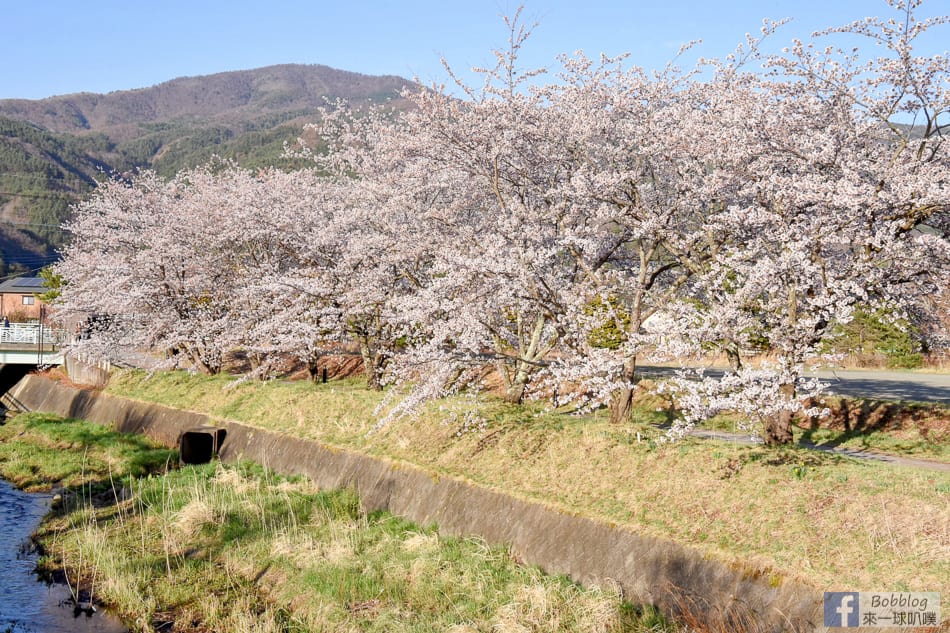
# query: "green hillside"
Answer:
x=41 y=175
x=53 y=151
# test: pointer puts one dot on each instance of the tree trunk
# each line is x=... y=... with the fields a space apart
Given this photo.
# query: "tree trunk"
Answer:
x=778 y=428
x=313 y=369
x=621 y=402
x=256 y=361
x=516 y=387
x=514 y=393
x=205 y=363
x=732 y=353
x=373 y=380
x=372 y=365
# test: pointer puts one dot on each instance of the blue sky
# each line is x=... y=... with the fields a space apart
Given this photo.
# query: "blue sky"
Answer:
x=52 y=47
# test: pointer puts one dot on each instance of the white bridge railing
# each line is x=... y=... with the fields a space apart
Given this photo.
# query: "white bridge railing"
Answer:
x=29 y=334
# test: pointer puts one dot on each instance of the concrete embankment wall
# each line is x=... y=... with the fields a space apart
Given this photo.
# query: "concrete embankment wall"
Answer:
x=86 y=373
x=649 y=570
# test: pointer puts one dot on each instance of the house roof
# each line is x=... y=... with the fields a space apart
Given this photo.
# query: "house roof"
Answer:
x=23 y=285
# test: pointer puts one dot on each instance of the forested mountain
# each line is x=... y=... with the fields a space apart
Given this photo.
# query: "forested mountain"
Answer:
x=41 y=174
x=53 y=150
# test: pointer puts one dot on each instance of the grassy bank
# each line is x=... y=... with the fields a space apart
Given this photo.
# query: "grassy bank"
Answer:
x=793 y=512
x=910 y=429
x=235 y=548
x=39 y=452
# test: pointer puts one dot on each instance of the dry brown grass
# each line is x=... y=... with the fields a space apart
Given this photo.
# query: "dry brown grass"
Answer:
x=235 y=548
x=197 y=514
x=789 y=512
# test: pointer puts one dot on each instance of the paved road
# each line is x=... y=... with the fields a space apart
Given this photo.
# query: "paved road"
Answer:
x=883 y=385
x=889 y=385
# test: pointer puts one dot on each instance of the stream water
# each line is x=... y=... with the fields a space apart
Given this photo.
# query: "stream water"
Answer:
x=27 y=604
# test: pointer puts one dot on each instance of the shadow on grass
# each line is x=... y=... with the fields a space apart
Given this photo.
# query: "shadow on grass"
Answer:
x=793 y=457
x=41 y=450
x=893 y=427
x=857 y=419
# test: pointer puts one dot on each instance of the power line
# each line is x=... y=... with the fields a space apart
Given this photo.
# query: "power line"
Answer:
x=37 y=261
x=43 y=194
x=44 y=176
x=54 y=226
x=29 y=258
x=21 y=274
x=31 y=262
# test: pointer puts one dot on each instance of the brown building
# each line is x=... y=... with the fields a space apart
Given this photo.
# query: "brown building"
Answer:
x=18 y=300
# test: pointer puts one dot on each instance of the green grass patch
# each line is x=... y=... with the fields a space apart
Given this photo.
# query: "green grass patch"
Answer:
x=793 y=512
x=39 y=450
x=896 y=428
x=236 y=548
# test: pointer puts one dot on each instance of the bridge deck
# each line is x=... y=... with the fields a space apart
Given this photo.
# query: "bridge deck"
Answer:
x=30 y=344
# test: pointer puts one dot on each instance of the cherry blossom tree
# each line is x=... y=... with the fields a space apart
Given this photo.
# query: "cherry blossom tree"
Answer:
x=459 y=187
x=377 y=255
x=848 y=205
x=560 y=232
x=137 y=284
x=650 y=174
x=545 y=202
x=177 y=267
x=281 y=224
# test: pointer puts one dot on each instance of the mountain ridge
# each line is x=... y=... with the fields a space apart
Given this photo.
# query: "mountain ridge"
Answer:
x=54 y=150
x=279 y=87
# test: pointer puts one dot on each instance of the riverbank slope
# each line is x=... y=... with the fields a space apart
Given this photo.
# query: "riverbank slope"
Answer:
x=767 y=516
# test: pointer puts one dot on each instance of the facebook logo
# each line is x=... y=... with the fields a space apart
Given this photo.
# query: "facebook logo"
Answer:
x=841 y=608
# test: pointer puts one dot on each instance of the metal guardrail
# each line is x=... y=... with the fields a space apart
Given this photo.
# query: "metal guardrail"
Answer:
x=31 y=334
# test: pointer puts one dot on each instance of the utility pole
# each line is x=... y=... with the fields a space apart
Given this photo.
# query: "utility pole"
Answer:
x=39 y=336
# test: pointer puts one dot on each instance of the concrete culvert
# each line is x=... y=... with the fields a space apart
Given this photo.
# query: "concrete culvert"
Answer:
x=200 y=444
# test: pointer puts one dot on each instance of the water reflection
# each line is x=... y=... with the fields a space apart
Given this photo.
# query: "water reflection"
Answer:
x=28 y=605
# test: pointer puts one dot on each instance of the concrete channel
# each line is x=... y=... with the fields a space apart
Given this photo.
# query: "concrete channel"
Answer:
x=649 y=570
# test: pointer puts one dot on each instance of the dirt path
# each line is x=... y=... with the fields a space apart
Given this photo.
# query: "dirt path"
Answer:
x=897 y=460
